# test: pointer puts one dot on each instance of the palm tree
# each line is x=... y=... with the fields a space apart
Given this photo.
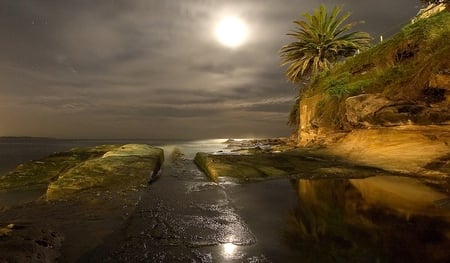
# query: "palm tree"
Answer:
x=319 y=42
x=434 y=1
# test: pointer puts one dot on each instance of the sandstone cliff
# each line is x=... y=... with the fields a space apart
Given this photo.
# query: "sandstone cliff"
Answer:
x=389 y=106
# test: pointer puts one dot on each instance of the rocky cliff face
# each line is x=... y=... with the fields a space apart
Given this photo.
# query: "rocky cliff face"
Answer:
x=390 y=106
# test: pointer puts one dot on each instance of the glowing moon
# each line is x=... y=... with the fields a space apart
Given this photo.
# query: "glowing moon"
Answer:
x=231 y=32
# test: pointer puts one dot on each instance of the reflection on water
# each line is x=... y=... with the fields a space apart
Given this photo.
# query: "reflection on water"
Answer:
x=229 y=251
x=378 y=219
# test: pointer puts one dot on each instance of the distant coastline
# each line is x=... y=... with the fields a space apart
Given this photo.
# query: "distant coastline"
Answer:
x=27 y=138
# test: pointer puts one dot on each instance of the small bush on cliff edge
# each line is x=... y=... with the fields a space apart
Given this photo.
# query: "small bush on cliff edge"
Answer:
x=399 y=68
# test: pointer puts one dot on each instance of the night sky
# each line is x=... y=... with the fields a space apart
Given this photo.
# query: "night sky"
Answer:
x=153 y=68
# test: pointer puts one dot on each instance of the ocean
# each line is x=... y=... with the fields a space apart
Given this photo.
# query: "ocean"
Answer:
x=18 y=150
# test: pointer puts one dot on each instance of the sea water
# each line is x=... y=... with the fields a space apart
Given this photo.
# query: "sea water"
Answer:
x=15 y=151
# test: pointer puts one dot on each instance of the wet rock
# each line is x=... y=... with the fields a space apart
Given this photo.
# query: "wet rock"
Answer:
x=26 y=243
x=182 y=226
x=123 y=167
x=176 y=155
x=300 y=163
x=243 y=167
x=159 y=231
x=39 y=173
x=82 y=168
x=110 y=167
x=259 y=145
x=6 y=231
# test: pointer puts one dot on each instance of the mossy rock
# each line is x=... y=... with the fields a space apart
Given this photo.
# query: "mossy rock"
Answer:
x=109 y=167
x=39 y=173
x=124 y=167
x=241 y=167
x=300 y=163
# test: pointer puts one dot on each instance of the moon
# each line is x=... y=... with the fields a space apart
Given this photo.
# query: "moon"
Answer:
x=231 y=31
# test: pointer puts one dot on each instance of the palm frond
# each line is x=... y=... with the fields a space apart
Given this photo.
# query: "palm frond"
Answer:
x=319 y=41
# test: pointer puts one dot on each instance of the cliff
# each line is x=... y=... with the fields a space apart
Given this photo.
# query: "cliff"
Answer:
x=389 y=106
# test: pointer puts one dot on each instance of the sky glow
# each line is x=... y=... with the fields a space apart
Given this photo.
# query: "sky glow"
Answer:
x=231 y=31
x=157 y=69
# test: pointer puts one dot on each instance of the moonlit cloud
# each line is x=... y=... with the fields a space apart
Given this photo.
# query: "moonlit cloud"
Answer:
x=153 y=69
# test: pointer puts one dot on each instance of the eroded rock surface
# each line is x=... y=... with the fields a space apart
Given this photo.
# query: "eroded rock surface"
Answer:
x=388 y=107
x=368 y=110
x=300 y=163
x=419 y=150
x=126 y=166
x=109 y=167
x=82 y=196
x=195 y=222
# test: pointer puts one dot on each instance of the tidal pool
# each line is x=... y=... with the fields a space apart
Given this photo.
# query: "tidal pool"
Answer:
x=377 y=219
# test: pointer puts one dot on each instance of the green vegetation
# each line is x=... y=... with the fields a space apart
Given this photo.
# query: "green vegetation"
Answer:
x=400 y=68
x=39 y=173
x=108 y=167
x=300 y=163
x=434 y=1
x=320 y=41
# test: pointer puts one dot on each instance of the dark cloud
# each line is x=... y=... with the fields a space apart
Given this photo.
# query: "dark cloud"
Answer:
x=275 y=106
x=150 y=68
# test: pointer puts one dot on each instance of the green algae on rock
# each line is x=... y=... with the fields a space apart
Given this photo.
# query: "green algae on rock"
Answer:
x=123 y=167
x=39 y=173
x=300 y=163
x=242 y=167
x=108 y=166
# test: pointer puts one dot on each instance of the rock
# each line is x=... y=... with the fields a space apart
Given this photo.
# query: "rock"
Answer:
x=388 y=107
x=5 y=231
x=363 y=107
x=368 y=110
x=122 y=167
x=38 y=174
x=30 y=244
x=216 y=166
x=429 y=10
x=112 y=167
x=405 y=149
x=176 y=155
x=440 y=81
x=299 y=163
x=259 y=145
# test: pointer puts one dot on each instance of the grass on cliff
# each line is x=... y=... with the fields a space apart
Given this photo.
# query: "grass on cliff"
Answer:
x=399 y=68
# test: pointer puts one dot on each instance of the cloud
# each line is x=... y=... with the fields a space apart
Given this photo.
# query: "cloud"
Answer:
x=113 y=68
